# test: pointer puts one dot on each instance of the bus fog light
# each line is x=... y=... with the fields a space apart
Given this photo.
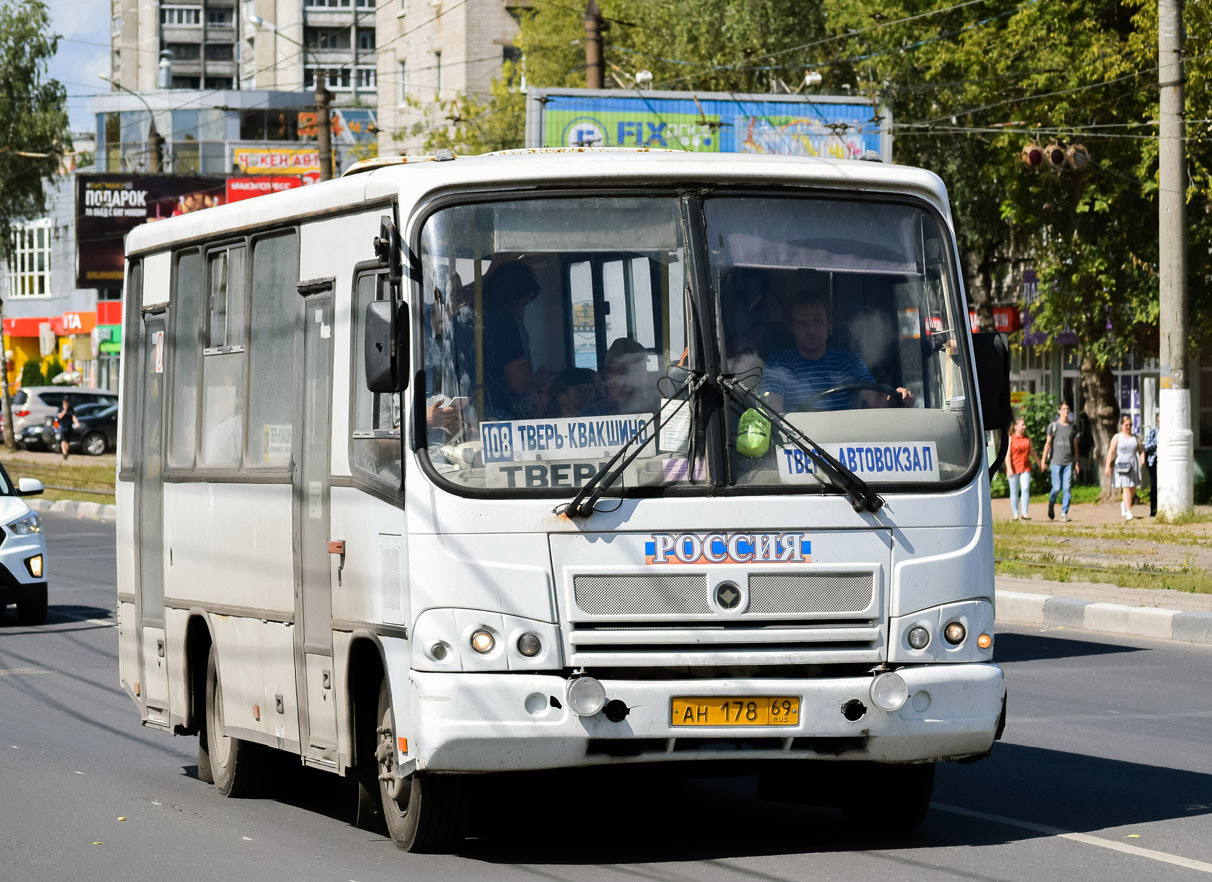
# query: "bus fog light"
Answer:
x=439 y=651
x=984 y=641
x=586 y=696
x=482 y=641
x=889 y=692
x=919 y=637
x=955 y=633
x=529 y=645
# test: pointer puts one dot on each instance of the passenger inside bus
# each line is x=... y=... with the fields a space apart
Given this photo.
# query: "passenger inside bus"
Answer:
x=631 y=380
x=512 y=384
x=795 y=377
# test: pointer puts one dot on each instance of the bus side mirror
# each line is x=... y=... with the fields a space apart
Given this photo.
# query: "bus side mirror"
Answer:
x=992 y=353
x=386 y=349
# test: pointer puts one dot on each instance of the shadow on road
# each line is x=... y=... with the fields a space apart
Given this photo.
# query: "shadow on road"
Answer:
x=62 y=614
x=1037 y=647
x=626 y=816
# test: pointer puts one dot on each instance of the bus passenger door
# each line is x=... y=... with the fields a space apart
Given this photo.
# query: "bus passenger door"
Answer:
x=314 y=670
x=149 y=459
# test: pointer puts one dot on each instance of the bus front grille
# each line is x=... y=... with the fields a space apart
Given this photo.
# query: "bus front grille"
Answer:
x=751 y=643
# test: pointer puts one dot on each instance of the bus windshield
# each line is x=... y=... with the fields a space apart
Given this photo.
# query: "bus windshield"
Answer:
x=556 y=329
x=846 y=317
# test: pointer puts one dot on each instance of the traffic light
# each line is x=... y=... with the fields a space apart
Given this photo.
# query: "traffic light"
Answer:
x=1056 y=157
x=1078 y=157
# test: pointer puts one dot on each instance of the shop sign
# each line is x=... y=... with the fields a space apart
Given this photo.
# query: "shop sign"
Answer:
x=247 y=188
x=276 y=160
x=1006 y=319
x=71 y=323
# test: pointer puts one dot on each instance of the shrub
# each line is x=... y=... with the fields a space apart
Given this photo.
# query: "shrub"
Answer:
x=31 y=374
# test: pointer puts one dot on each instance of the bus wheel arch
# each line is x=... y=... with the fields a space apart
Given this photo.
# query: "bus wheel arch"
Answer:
x=198 y=643
x=366 y=670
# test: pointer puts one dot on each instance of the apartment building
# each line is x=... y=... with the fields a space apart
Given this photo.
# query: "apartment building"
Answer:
x=433 y=50
x=267 y=45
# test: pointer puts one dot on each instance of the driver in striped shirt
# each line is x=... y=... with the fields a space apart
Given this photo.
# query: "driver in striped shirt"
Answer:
x=794 y=378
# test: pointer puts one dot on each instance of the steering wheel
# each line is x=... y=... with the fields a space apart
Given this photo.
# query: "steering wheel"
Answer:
x=894 y=397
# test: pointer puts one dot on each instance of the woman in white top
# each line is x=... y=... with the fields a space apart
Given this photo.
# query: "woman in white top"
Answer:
x=1126 y=455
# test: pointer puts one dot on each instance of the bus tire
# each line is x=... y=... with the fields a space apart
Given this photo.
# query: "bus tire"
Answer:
x=231 y=762
x=889 y=798
x=429 y=815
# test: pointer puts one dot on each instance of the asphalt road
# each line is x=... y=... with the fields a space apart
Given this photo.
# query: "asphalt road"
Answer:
x=1105 y=773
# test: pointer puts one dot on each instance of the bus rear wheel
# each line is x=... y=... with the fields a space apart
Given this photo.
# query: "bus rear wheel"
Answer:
x=231 y=762
x=428 y=815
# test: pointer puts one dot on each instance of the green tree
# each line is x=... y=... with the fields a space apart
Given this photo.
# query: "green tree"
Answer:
x=33 y=118
x=970 y=86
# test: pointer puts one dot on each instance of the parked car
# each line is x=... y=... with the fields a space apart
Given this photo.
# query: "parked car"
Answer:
x=22 y=551
x=96 y=431
x=45 y=436
x=34 y=404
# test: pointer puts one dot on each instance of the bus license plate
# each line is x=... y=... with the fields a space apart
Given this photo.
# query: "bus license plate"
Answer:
x=732 y=711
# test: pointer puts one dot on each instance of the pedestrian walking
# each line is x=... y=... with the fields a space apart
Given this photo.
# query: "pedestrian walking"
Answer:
x=1060 y=451
x=1018 y=469
x=1126 y=455
x=67 y=423
x=1151 y=465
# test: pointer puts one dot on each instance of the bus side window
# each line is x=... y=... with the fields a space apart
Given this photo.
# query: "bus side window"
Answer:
x=186 y=348
x=374 y=450
x=271 y=350
x=131 y=300
x=223 y=367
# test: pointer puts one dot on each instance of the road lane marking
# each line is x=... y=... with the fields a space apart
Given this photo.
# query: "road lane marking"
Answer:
x=1085 y=838
x=109 y=623
x=13 y=672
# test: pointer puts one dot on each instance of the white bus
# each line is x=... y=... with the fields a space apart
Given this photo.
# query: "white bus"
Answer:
x=555 y=459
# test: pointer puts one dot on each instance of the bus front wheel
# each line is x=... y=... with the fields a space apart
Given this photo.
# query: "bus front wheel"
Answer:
x=428 y=815
x=231 y=762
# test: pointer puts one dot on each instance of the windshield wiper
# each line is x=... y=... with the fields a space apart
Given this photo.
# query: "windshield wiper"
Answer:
x=587 y=497
x=862 y=497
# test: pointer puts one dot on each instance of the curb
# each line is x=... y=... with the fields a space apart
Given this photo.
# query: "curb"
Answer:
x=1112 y=618
x=93 y=510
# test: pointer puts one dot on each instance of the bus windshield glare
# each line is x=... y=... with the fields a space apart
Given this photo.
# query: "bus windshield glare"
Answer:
x=555 y=329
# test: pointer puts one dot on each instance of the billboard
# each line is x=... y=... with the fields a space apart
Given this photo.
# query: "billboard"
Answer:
x=108 y=206
x=247 y=188
x=841 y=127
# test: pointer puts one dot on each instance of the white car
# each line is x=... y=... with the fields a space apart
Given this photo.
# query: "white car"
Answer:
x=22 y=551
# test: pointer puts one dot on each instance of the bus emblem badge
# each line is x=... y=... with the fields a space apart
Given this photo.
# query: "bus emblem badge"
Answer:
x=727 y=595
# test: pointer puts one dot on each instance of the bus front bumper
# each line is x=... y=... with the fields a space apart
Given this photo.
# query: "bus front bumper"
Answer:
x=469 y=722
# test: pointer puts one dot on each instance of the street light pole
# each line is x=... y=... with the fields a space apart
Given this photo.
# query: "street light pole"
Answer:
x=155 y=141
x=1175 y=441
x=323 y=99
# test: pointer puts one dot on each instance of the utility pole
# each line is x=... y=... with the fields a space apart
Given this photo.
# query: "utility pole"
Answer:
x=323 y=130
x=594 y=71
x=1175 y=442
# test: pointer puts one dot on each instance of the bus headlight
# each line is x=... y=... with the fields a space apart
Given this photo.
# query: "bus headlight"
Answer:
x=955 y=633
x=482 y=641
x=918 y=637
x=889 y=691
x=586 y=696
x=530 y=645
